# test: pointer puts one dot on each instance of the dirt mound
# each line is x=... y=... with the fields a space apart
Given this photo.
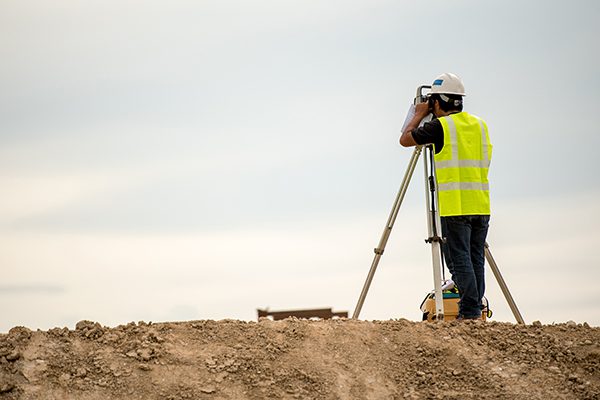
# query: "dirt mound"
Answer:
x=299 y=359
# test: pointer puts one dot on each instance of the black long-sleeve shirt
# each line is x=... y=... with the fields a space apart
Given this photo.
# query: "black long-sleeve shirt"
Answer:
x=430 y=132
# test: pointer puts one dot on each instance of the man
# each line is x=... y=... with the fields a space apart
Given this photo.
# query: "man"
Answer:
x=462 y=157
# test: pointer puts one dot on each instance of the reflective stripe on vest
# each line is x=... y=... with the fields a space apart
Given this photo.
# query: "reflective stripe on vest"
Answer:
x=463 y=186
x=462 y=166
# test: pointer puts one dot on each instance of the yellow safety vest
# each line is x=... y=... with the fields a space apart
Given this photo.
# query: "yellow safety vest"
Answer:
x=462 y=166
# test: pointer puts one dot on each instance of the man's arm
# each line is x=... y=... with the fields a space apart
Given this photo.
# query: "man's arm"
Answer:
x=421 y=111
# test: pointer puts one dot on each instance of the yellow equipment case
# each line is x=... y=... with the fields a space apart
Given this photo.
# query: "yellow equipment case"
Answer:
x=451 y=298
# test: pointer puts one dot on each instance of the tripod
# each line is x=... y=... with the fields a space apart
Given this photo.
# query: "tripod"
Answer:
x=435 y=239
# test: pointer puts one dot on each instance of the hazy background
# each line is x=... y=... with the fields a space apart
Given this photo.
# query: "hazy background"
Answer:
x=179 y=160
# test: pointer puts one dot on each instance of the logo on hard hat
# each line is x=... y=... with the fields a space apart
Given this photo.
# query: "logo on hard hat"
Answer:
x=438 y=82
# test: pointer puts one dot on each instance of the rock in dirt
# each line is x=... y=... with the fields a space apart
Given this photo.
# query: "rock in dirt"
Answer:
x=208 y=389
x=7 y=384
x=13 y=356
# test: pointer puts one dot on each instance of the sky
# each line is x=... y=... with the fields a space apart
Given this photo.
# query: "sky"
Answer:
x=185 y=160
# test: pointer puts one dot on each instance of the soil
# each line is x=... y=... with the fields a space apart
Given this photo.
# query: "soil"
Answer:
x=302 y=359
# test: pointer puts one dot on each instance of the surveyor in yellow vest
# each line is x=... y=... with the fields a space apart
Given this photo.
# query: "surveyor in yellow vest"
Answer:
x=462 y=158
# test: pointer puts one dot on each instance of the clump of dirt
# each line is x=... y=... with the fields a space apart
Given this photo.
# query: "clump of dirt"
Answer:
x=301 y=359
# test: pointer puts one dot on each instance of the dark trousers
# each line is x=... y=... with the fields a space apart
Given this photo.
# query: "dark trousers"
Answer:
x=464 y=252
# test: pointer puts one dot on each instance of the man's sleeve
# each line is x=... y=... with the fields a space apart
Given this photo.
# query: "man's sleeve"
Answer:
x=430 y=132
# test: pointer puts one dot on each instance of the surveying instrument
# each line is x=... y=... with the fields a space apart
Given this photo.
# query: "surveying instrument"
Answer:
x=434 y=228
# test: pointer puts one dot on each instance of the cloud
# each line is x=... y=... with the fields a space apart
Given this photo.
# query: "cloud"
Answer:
x=31 y=289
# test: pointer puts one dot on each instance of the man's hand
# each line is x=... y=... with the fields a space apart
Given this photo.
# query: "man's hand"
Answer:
x=421 y=111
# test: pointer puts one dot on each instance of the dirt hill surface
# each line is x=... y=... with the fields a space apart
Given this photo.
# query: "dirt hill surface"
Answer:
x=300 y=359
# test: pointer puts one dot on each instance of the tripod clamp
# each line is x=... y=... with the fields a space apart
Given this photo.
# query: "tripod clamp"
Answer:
x=435 y=239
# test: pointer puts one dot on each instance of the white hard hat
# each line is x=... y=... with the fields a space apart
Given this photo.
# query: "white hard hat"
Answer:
x=448 y=84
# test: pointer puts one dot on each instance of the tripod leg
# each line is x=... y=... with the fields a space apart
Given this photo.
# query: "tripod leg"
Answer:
x=437 y=278
x=388 y=229
x=502 y=283
x=433 y=225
